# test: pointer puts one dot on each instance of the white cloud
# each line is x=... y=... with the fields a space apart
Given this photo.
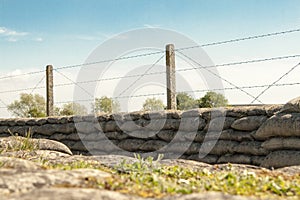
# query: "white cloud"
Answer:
x=39 y=39
x=8 y=32
x=11 y=39
x=151 y=25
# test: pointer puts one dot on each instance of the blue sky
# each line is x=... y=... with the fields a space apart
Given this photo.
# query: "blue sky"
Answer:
x=50 y=31
x=35 y=33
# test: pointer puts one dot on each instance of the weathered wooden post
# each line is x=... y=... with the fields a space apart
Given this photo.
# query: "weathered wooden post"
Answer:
x=171 y=79
x=49 y=88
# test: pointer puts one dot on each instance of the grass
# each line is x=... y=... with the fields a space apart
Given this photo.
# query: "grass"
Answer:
x=148 y=178
x=22 y=143
x=141 y=179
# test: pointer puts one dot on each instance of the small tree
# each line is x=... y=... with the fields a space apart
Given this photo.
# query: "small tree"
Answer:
x=185 y=101
x=29 y=105
x=212 y=99
x=153 y=104
x=72 y=109
x=106 y=105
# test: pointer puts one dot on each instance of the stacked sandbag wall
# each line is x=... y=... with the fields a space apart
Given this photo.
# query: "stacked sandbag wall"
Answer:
x=267 y=136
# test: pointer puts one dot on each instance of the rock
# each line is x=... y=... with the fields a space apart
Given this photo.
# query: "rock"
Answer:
x=22 y=143
x=282 y=158
x=18 y=164
x=249 y=123
x=283 y=125
x=72 y=194
x=292 y=106
x=45 y=144
x=282 y=143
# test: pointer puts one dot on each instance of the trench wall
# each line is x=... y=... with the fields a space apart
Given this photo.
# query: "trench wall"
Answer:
x=256 y=135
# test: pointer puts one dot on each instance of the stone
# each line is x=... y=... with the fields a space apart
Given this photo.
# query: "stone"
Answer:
x=251 y=148
x=45 y=144
x=249 y=123
x=292 y=106
x=282 y=143
x=281 y=158
x=283 y=125
x=17 y=142
x=18 y=164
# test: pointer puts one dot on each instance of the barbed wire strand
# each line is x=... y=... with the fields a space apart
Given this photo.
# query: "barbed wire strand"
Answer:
x=241 y=39
x=189 y=91
x=183 y=48
x=280 y=78
x=3 y=102
x=74 y=83
x=20 y=90
x=213 y=73
x=243 y=87
x=243 y=62
x=185 y=69
x=110 y=60
x=142 y=75
x=24 y=74
x=36 y=86
x=160 y=72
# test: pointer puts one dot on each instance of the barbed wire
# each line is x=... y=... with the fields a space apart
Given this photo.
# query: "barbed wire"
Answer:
x=242 y=62
x=280 y=78
x=142 y=75
x=24 y=74
x=110 y=60
x=159 y=72
x=74 y=82
x=40 y=81
x=243 y=87
x=187 y=91
x=20 y=90
x=218 y=76
x=241 y=39
x=185 y=69
x=181 y=49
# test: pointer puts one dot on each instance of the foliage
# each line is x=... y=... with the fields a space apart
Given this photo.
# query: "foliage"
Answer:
x=29 y=105
x=71 y=109
x=106 y=105
x=146 y=179
x=185 y=101
x=153 y=104
x=212 y=100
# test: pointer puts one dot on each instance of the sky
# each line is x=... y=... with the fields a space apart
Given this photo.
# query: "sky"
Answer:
x=35 y=33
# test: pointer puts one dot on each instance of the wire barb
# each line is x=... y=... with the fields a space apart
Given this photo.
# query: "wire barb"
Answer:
x=262 y=92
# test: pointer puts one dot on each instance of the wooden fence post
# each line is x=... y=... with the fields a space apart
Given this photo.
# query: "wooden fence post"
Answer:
x=49 y=88
x=171 y=79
